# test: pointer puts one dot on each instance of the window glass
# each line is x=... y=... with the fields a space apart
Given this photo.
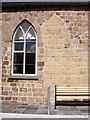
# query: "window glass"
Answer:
x=25 y=26
x=31 y=35
x=30 y=63
x=31 y=47
x=19 y=35
x=30 y=69
x=18 y=63
x=18 y=46
x=30 y=58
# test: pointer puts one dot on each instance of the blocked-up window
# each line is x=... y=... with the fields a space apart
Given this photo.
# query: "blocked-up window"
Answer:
x=24 y=50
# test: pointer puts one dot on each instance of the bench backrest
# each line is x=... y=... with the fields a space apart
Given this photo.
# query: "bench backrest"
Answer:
x=72 y=93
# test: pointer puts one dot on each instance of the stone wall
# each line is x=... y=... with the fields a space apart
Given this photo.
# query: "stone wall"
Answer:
x=62 y=54
x=0 y=55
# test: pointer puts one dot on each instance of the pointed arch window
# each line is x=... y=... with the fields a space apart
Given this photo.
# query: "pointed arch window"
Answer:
x=24 y=50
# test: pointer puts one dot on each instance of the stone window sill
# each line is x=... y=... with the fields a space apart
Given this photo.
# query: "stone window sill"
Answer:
x=23 y=77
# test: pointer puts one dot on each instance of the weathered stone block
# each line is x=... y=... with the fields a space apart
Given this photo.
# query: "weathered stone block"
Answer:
x=23 y=89
x=15 y=89
x=7 y=98
x=40 y=63
x=12 y=84
x=10 y=80
x=4 y=93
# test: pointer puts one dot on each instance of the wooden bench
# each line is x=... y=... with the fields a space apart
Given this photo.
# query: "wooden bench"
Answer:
x=72 y=96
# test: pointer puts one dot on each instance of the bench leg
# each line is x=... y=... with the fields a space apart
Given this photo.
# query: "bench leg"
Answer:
x=55 y=107
x=55 y=96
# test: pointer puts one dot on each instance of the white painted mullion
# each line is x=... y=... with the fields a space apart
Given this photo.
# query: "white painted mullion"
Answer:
x=28 y=29
x=12 y=56
x=24 y=55
x=35 y=53
x=25 y=34
x=36 y=56
x=18 y=41
x=13 y=52
x=18 y=51
x=22 y=30
x=24 y=50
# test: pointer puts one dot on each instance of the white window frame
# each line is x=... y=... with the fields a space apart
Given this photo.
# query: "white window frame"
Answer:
x=13 y=43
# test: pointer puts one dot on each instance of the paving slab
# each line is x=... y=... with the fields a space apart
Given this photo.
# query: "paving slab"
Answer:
x=31 y=109
x=42 y=110
x=18 y=110
x=22 y=105
x=5 y=108
x=53 y=111
x=85 y=110
x=68 y=110
x=0 y=107
x=10 y=109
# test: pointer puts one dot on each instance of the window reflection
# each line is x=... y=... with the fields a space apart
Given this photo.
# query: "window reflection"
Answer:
x=31 y=47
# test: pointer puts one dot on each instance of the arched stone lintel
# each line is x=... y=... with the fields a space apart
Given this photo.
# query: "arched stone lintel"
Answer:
x=19 y=19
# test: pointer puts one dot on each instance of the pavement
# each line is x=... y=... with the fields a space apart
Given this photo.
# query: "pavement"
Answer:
x=43 y=109
x=45 y=119
x=17 y=111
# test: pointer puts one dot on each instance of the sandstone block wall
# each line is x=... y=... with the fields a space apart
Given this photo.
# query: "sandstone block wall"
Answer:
x=62 y=54
x=0 y=55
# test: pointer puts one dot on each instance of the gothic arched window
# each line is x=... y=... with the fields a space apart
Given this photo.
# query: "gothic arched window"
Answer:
x=24 y=49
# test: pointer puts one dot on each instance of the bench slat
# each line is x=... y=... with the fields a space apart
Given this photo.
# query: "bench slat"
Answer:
x=74 y=87
x=73 y=91
x=72 y=97
x=70 y=94
x=68 y=103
